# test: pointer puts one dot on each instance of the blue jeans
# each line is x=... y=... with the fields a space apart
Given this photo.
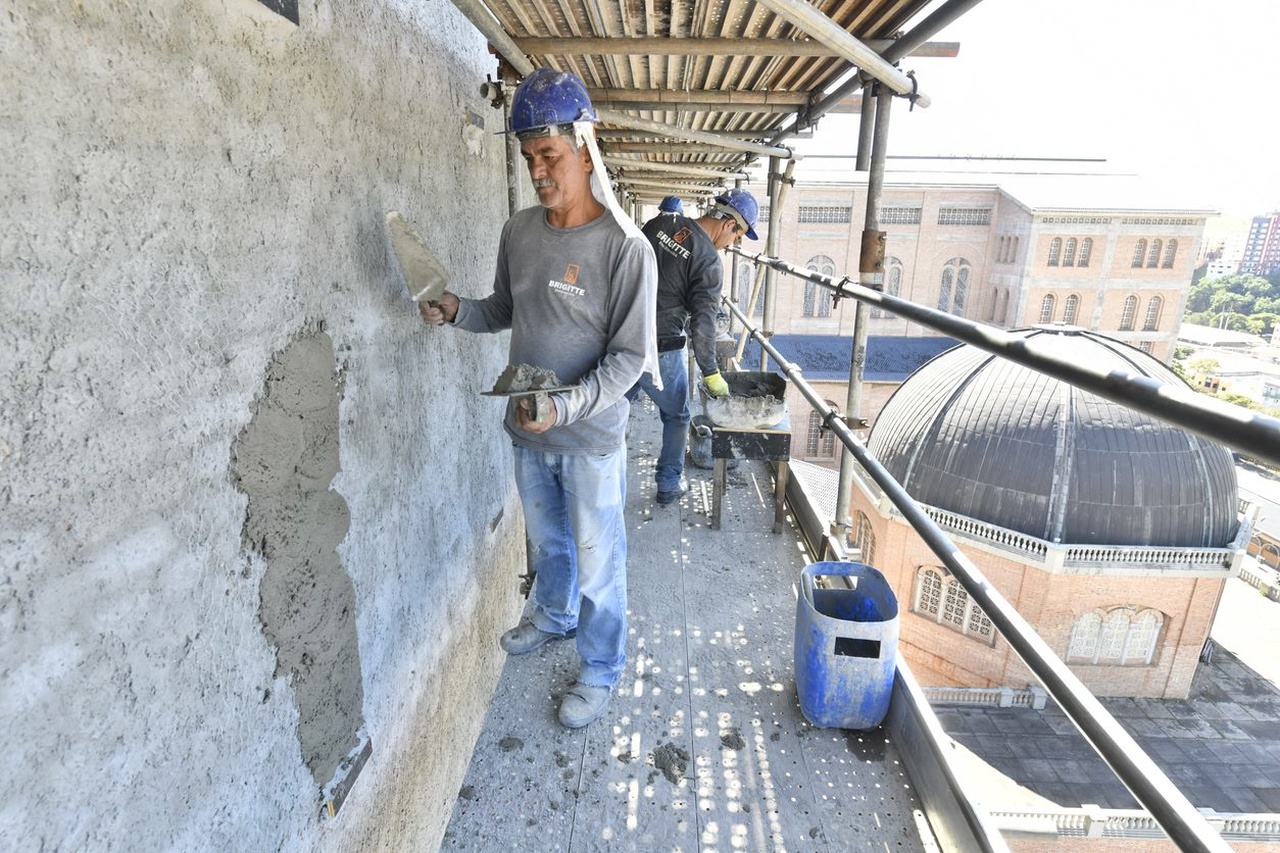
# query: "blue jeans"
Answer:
x=673 y=406
x=578 y=548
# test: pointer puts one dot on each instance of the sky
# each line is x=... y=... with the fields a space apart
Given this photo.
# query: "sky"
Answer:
x=1181 y=94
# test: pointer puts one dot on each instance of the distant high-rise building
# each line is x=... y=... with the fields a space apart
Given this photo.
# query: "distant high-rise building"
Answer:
x=1262 y=249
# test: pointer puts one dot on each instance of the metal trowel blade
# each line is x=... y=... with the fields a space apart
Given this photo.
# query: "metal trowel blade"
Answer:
x=422 y=270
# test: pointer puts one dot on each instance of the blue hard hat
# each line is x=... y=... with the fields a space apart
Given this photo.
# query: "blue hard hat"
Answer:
x=547 y=98
x=671 y=204
x=742 y=206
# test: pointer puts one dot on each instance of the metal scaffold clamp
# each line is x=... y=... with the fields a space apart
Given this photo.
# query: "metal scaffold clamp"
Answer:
x=838 y=293
x=915 y=90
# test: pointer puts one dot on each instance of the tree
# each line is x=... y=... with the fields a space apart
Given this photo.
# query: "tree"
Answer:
x=1202 y=367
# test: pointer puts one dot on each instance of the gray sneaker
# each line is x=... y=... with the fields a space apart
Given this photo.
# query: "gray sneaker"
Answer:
x=527 y=636
x=667 y=498
x=583 y=705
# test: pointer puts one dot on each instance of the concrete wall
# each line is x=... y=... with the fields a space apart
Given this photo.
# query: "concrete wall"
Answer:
x=253 y=513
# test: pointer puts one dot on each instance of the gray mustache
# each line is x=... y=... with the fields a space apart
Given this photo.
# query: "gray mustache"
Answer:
x=543 y=182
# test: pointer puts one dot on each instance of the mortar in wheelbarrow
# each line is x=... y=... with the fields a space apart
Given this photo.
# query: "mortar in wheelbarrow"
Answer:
x=757 y=400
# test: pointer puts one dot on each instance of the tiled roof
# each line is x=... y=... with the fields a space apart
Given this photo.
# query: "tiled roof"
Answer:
x=826 y=357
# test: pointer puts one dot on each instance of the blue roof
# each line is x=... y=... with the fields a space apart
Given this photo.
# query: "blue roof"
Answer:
x=889 y=358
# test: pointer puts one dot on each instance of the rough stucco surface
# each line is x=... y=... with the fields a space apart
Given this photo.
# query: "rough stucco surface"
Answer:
x=191 y=189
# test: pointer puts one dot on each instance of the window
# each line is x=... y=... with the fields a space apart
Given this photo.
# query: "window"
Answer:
x=824 y=215
x=964 y=216
x=1152 y=322
x=900 y=216
x=1146 y=346
x=954 y=290
x=943 y=600
x=1124 y=635
x=1126 y=316
x=1153 y=257
x=1007 y=252
x=1170 y=252
x=1139 y=252
x=820 y=443
x=1086 y=249
x=1070 y=309
x=892 y=283
x=1055 y=250
x=864 y=539
x=816 y=303
x=1069 y=256
x=1047 y=306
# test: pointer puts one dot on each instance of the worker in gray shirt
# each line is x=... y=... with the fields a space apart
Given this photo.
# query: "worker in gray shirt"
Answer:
x=575 y=284
x=689 y=292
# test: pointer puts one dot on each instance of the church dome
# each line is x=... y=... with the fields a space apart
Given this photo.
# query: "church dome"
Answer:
x=978 y=435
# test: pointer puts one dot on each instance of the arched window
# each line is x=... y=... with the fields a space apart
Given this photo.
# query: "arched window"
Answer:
x=1153 y=257
x=1152 y=322
x=1086 y=249
x=820 y=443
x=1139 y=252
x=1124 y=635
x=864 y=539
x=1047 y=306
x=1069 y=256
x=1170 y=252
x=1070 y=309
x=955 y=286
x=1084 y=636
x=1126 y=316
x=943 y=600
x=929 y=592
x=816 y=303
x=1055 y=249
x=944 y=293
x=892 y=283
x=962 y=290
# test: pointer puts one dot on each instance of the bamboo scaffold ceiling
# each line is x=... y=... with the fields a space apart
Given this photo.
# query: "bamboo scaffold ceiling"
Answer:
x=712 y=84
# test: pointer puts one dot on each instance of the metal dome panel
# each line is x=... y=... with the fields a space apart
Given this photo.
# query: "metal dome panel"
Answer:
x=998 y=442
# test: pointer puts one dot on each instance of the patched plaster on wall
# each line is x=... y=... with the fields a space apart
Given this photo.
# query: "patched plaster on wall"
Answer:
x=284 y=461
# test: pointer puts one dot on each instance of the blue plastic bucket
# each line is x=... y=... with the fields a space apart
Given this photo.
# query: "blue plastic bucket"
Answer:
x=846 y=647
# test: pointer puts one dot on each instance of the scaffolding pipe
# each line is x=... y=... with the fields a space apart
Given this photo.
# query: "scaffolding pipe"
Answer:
x=771 y=246
x=657 y=127
x=940 y=18
x=870 y=274
x=774 y=221
x=806 y=17
x=1252 y=432
x=1169 y=806
x=680 y=168
x=866 y=129
x=484 y=21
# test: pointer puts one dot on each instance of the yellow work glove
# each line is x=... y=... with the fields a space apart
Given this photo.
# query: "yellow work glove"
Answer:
x=716 y=385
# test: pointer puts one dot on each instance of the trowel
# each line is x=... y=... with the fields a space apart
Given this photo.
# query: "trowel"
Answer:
x=422 y=270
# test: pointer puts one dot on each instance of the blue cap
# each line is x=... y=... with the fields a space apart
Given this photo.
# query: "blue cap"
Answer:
x=671 y=204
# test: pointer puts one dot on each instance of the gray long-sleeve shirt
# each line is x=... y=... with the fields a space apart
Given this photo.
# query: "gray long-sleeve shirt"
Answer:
x=689 y=284
x=581 y=302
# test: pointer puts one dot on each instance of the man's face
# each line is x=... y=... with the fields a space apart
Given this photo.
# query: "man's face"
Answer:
x=727 y=235
x=559 y=174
